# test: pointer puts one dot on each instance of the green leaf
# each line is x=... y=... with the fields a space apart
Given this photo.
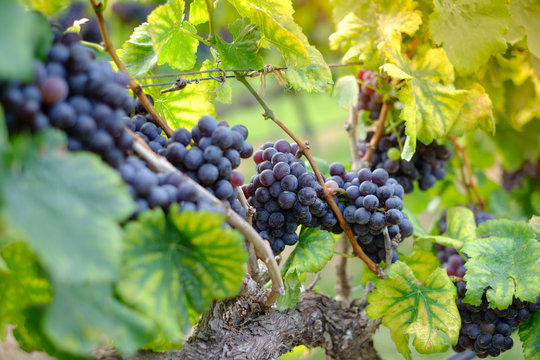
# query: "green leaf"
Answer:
x=276 y=7
x=508 y=266
x=314 y=77
x=198 y=13
x=526 y=14
x=172 y=37
x=315 y=248
x=346 y=91
x=178 y=264
x=26 y=35
x=470 y=31
x=476 y=111
x=183 y=108
x=426 y=310
x=137 y=53
x=224 y=95
x=242 y=53
x=47 y=7
x=518 y=230
x=280 y=33
x=421 y=262
x=84 y=316
x=354 y=37
x=534 y=223
x=528 y=334
x=69 y=206
x=430 y=108
x=292 y=283
x=419 y=230
x=460 y=224
x=400 y=15
x=23 y=283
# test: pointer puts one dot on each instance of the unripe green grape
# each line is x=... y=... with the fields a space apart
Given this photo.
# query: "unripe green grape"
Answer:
x=393 y=154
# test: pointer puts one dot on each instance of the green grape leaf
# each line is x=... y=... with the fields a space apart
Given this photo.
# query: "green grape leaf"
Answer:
x=421 y=262
x=198 y=13
x=30 y=34
x=518 y=230
x=69 y=206
x=282 y=33
x=508 y=266
x=224 y=95
x=430 y=108
x=460 y=228
x=23 y=283
x=242 y=53
x=315 y=248
x=177 y=265
x=528 y=334
x=346 y=91
x=476 y=111
x=292 y=283
x=82 y=317
x=137 y=53
x=342 y=8
x=526 y=13
x=183 y=108
x=276 y=7
x=314 y=77
x=470 y=31
x=419 y=230
x=534 y=223
x=172 y=37
x=426 y=310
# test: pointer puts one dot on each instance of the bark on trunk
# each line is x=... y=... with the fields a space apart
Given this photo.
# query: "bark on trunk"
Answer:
x=243 y=328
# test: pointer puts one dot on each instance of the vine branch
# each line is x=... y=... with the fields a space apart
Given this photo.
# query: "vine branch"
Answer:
x=379 y=131
x=133 y=85
x=467 y=173
x=262 y=248
x=304 y=148
x=253 y=266
x=210 y=9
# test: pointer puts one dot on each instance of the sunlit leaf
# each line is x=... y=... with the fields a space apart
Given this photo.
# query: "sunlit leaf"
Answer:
x=518 y=230
x=315 y=248
x=314 y=77
x=242 y=53
x=198 y=13
x=426 y=310
x=171 y=37
x=526 y=13
x=292 y=283
x=137 y=53
x=475 y=112
x=346 y=91
x=176 y=265
x=470 y=31
x=421 y=262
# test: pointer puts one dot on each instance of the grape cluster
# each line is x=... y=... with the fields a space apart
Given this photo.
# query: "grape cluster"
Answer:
x=76 y=11
x=131 y=11
x=87 y=100
x=487 y=331
x=369 y=99
x=285 y=195
x=372 y=202
x=514 y=179
x=448 y=256
x=426 y=166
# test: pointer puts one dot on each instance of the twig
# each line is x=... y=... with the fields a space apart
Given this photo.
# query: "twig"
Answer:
x=133 y=85
x=387 y=247
x=210 y=9
x=350 y=127
x=262 y=248
x=372 y=146
x=253 y=266
x=468 y=176
x=343 y=283
x=305 y=149
x=314 y=282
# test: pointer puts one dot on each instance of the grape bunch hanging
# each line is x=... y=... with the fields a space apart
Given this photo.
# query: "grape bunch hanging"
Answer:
x=369 y=98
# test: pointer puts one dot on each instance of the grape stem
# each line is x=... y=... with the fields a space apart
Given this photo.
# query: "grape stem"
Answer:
x=379 y=131
x=133 y=85
x=210 y=9
x=304 y=148
x=387 y=247
x=262 y=248
x=467 y=174
x=253 y=266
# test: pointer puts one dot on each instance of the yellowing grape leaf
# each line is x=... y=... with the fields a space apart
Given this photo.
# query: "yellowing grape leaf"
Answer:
x=175 y=265
x=470 y=31
x=460 y=228
x=359 y=33
x=430 y=107
x=172 y=37
x=475 y=112
x=421 y=262
x=137 y=53
x=508 y=265
x=275 y=31
x=425 y=310
x=275 y=7
x=528 y=334
x=314 y=77
x=198 y=13
x=526 y=13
